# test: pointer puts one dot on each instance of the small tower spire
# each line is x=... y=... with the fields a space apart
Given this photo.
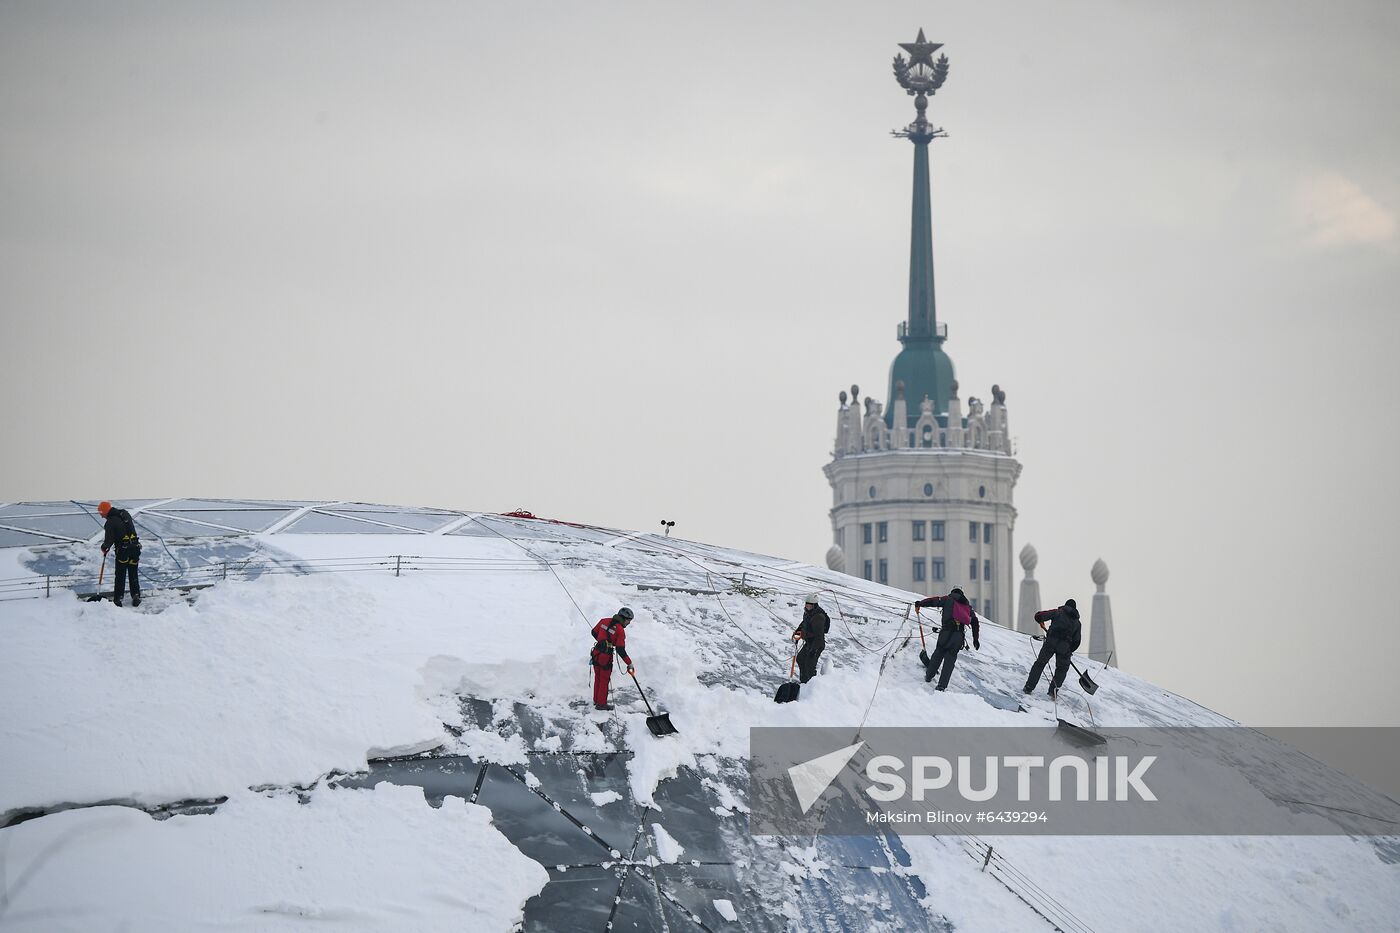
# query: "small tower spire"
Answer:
x=922 y=365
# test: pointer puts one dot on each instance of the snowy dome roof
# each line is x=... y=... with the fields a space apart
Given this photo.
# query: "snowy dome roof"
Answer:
x=396 y=701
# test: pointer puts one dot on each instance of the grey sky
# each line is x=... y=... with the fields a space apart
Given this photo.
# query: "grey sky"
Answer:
x=613 y=263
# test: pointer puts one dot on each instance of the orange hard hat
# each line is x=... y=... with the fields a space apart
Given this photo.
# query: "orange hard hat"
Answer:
x=103 y=508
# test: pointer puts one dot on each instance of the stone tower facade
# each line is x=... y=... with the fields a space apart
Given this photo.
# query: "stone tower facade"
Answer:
x=929 y=507
x=922 y=492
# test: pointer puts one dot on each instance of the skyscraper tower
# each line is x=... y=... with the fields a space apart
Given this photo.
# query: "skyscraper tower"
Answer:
x=922 y=494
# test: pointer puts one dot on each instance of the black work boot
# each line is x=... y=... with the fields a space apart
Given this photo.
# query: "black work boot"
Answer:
x=604 y=707
x=135 y=601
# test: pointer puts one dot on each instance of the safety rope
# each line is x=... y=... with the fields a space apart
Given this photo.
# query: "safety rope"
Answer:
x=549 y=566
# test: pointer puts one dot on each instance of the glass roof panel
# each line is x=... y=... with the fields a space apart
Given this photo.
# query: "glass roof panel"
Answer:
x=526 y=530
x=421 y=521
x=372 y=507
x=316 y=523
x=245 y=519
x=20 y=539
x=474 y=529
x=164 y=526
x=218 y=505
x=535 y=827
x=574 y=899
x=39 y=508
x=74 y=525
x=269 y=503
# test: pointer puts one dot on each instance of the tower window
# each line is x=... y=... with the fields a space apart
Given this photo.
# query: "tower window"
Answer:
x=919 y=534
x=872 y=492
x=884 y=571
x=972 y=569
x=981 y=492
x=937 y=530
x=865 y=535
x=972 y=532
x=986 y=570
x=919 y=570
x=987 y=607
x=986 y=532
x=974 y=604
x=867 y=570
x=928 y=489
x=938 y=571
x=884 y=528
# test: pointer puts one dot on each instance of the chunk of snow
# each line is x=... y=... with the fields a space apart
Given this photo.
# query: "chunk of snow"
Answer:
x=668 y=850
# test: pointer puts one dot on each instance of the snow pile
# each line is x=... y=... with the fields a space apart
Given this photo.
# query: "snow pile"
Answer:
x=270 y=863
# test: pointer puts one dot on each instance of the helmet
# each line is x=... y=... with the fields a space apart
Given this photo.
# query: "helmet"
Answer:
x=103 y=508
x=624 y=615
x=957 y=590
x=811 y=599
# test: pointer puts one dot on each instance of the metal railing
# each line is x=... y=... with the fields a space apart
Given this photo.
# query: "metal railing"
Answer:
x=40 y=586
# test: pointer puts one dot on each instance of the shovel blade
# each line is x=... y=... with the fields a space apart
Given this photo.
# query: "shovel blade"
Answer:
x=1089 y=686
x=787 y=692
x=660 y=724
x=1078 y=735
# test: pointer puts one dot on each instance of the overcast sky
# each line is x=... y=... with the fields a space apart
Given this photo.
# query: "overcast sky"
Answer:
x=613 y=262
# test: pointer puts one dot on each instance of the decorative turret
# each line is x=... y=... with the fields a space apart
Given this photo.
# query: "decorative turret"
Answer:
x=1030 y=593
x=1101 y=642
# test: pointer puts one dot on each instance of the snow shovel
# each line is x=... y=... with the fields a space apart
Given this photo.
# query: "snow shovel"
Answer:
x=659 y=725
x=787 y=692
x=1084 y=680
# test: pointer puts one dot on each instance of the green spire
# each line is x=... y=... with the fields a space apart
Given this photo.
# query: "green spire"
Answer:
x=921 y=365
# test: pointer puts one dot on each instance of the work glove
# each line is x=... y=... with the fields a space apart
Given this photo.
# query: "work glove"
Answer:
x=631 y=669
x=104 y=552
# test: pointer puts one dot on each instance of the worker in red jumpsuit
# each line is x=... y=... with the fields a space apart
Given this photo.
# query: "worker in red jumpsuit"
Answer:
x=610 y=638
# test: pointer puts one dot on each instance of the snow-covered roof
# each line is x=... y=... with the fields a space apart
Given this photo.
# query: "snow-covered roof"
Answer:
x=388 y=729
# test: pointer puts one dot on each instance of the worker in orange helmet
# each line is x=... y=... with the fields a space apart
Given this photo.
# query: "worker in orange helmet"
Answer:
x=121 y=531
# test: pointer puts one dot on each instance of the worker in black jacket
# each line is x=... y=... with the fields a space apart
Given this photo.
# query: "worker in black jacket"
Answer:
x=812 y=633
x=952 y=638
x=120 y=530
x=1061 y=641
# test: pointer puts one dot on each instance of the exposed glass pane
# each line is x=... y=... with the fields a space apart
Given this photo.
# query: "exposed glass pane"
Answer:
x=376 y=507
x=69 y=526
x=640 y=907
x=41 y=508
x=20 y=539
x=246 y=519
x=536 y=828
x=572 y=780
x=315 y=523
x=420 y=521
x=474 y=529
x=574 y=899
x=218 y=505
x=439 y=777
x=697 y=887
x=158 y=525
